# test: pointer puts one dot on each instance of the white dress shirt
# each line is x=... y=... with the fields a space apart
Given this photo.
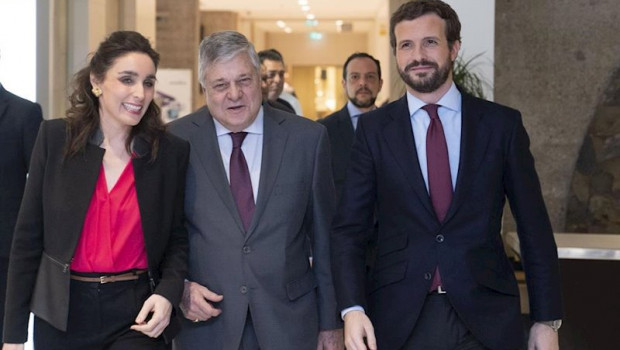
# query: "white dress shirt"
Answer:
x=450 y=115
x=252 y=148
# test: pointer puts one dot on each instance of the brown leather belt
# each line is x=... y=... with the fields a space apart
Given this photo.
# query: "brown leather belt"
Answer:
x=129 y=276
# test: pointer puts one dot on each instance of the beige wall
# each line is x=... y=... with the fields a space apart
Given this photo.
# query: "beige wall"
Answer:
x=333 y=49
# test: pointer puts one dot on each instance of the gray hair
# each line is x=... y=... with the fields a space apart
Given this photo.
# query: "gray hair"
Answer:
x=223 y=46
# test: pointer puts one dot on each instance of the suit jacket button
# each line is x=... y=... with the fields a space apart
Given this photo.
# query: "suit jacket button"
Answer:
x=427 y=276
x=243 y=290
x=246 y=249
x=439 y=238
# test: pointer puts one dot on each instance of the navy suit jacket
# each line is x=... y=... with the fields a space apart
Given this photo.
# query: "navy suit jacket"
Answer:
x=19 y=124
x=341 y=134
x=495 y=164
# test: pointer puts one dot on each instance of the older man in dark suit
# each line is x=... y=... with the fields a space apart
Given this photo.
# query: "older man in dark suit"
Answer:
x=436 y=166
x=258 y=185
x=19 y=124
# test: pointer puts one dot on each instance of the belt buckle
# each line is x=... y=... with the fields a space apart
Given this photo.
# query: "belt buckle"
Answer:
x=440 y=290
x=104 y=279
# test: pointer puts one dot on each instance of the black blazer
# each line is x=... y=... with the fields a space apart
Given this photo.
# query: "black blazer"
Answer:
x=341 y=135
x=495 y=164
x=19 y=123
x=57 y=196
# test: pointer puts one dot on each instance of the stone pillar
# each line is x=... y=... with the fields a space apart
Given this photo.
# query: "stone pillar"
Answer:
x=215 y=21
x=178 y=38
x=52 y=57
x=553 y=61
x=139 y=15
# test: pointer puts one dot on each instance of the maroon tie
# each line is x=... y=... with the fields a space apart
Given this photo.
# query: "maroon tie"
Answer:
x=439 y=179
x=240 y=182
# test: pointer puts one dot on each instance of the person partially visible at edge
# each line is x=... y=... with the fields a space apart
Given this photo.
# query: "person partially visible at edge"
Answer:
x=273 y=69
x=267 y=81
x=19 y=124
x=259 y=189
x=435 y=169
x=99 y=254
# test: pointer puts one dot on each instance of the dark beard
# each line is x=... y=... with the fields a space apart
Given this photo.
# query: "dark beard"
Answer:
x=359 y=104
x=430 y=83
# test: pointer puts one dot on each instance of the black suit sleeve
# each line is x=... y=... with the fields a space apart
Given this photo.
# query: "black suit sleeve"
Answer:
x=173 y=268
x=321 y=211
x=27 y=248
x=538 y=248
x=353 y=220
x=30 y=128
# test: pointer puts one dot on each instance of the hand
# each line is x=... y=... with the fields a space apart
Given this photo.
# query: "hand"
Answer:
x=195 y=303
x=160 y=310
x=542 y=337
x=357 y=326
x=13 y=347
x=330 y=340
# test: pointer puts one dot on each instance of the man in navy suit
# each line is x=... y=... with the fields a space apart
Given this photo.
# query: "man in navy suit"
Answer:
x=19 y=124
x=361 y=80
x=441 y=279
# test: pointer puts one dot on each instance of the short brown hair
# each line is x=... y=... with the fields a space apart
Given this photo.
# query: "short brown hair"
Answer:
x=417 y=8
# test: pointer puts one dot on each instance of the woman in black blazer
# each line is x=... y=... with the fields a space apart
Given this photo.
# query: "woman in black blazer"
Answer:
x=100 y=250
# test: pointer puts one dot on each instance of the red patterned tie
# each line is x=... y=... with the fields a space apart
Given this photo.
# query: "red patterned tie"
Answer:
x=240 y=182
x=439 y=179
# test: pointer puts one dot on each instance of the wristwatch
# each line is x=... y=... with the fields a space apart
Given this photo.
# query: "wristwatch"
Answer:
x=555 y=324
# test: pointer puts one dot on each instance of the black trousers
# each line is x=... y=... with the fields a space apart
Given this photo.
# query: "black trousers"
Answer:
x=439 y=328
x=99 y=318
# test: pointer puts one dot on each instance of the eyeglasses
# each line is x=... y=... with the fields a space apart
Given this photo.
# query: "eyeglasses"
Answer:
x=369 y=77
x=272 y=75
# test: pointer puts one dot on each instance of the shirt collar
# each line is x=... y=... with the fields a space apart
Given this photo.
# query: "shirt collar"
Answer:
x=450 y=100
x=255 y=128
x=354 y=111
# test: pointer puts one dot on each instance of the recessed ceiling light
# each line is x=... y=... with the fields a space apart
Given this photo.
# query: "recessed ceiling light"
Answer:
x=310 y=16
x=316 y=36
x=305 y=8
x=288 y=30
x=281 y=24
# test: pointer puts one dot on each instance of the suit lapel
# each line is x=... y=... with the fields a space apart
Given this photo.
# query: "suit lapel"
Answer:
x=274 y=142
x=203 y=140
x=4 y=102
x=474 y=143
x=81 y=174
x=399 y=138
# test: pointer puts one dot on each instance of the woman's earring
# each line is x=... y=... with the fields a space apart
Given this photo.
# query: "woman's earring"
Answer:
x=97 y=91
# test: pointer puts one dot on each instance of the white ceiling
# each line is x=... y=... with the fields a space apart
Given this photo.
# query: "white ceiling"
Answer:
x=360 y=13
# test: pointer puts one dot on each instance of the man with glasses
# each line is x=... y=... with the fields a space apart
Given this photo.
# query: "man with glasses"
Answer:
x=272 y=78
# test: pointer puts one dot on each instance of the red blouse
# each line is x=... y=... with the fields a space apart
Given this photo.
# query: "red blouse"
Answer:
x=112 y=238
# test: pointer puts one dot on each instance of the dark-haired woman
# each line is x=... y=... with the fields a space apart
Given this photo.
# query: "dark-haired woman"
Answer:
x=100 y=251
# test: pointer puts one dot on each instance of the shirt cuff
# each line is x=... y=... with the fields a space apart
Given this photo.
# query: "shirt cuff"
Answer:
x=352 y=308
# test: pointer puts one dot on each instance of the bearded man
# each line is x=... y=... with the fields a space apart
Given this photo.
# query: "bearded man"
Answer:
x=432 y=171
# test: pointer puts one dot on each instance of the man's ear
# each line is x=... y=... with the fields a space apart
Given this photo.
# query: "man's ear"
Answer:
x=454 y=52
